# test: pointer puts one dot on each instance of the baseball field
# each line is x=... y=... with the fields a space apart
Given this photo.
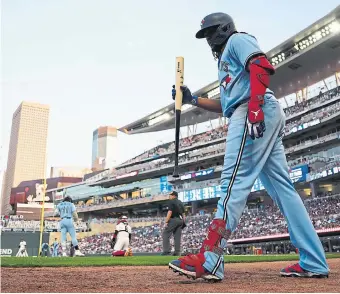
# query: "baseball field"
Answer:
x=246 y=273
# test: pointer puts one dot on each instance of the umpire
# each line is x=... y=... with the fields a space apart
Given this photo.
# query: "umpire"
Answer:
x=174 y=223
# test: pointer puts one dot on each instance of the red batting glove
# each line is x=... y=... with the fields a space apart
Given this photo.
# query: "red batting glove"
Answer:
x=256 y=125
x=255 y=112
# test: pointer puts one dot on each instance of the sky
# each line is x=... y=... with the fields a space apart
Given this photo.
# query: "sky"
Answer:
x=110 y=62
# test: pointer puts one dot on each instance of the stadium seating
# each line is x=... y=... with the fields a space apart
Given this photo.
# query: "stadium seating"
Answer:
x=266 y=220
x=34 y=225
x=298 y=115
x=324 y=211
x=291 y=112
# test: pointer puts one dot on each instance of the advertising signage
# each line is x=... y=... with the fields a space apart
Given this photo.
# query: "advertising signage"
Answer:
x=200 y=194
x=325 y=173
x=297 y=174
x=200 y=173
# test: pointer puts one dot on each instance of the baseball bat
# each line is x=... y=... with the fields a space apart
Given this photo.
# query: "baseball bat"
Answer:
x=178 y=107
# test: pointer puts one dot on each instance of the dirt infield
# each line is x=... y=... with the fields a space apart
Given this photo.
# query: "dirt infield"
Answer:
x=239 y=277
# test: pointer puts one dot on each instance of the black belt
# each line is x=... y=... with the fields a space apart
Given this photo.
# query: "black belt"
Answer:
x=233 y=109
x=243 y=102
x=66 y=217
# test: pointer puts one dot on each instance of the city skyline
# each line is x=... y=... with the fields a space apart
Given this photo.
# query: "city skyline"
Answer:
x=88 y=84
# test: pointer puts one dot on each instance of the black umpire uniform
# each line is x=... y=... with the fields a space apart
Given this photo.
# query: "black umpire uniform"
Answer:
x=175 y=222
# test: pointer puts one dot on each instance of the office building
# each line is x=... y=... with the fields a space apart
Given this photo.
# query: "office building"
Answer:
x=104 y=148
x=27 y=147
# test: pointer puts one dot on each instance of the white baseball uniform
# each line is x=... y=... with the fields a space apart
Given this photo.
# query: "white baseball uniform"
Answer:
x=22 y=250
x=123 y=241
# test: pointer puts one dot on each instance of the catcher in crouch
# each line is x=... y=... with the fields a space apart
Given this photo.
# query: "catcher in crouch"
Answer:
x=121 y=238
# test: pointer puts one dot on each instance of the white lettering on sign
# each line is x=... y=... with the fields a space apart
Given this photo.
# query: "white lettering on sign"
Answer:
x=131 y=174
x=5 y=252
x=186 y=177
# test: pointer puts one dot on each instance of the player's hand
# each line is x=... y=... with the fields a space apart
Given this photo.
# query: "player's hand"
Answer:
x=187 y=96
x=255 y=120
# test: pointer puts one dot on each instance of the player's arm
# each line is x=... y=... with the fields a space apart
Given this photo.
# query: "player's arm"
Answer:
x=168 y=216
x=75 y=216
x=57 y=211
x=115 y=235
x=113 y=240
x=212 y=105
x=74 y=213
x=260 y=70
x=246 y=49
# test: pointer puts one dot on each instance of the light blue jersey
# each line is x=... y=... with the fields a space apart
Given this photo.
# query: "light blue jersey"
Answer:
x=66 y=209
x=246 y=160
x=232 y=74
x=55 y=249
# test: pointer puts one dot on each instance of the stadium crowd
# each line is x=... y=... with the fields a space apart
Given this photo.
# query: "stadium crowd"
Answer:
x=324 y=210
x=304 y=121
x=312 y=118
x=208 y=136
x=326 y=164
x=34 y=225
x=295 y=110
x=312 y=103
x=265 y=220
x=219 y=148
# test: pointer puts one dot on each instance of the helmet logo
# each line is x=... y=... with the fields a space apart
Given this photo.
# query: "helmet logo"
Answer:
x=202 y=22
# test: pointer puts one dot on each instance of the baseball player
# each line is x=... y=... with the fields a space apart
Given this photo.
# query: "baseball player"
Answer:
x=253 y=149
x=44 y=249
x=55 y=247
x=67 y=211
x=121 y=238
x=22 y=252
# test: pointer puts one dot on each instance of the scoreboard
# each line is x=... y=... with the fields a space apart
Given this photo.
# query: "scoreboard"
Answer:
x=200 y=194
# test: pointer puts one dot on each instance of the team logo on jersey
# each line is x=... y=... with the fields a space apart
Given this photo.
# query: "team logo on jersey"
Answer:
x=224 y=66
x=225 y=81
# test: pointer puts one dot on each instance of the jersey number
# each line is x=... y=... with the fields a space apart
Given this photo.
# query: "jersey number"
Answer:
x=65 y=210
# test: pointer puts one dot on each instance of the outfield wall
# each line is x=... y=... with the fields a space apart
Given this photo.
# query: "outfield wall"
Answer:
x=10 y=242
x=100 y=229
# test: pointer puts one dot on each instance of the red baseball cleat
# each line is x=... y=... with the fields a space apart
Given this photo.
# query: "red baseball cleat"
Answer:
x=191 y=266
x=296 y=270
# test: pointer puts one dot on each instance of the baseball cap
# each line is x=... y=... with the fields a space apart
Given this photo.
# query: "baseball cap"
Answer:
x=174 y=193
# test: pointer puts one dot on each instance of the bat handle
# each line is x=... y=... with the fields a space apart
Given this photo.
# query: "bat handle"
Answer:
x=177 y=128
x=175 y=173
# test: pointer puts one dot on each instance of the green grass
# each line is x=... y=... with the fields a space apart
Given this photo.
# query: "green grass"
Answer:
x=128 y=261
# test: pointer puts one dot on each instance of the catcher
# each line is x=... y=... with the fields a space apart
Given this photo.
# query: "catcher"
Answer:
x=121 y=238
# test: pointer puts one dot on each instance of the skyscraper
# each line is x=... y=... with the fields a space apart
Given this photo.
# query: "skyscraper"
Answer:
x=104 y=148
x=27 y=147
